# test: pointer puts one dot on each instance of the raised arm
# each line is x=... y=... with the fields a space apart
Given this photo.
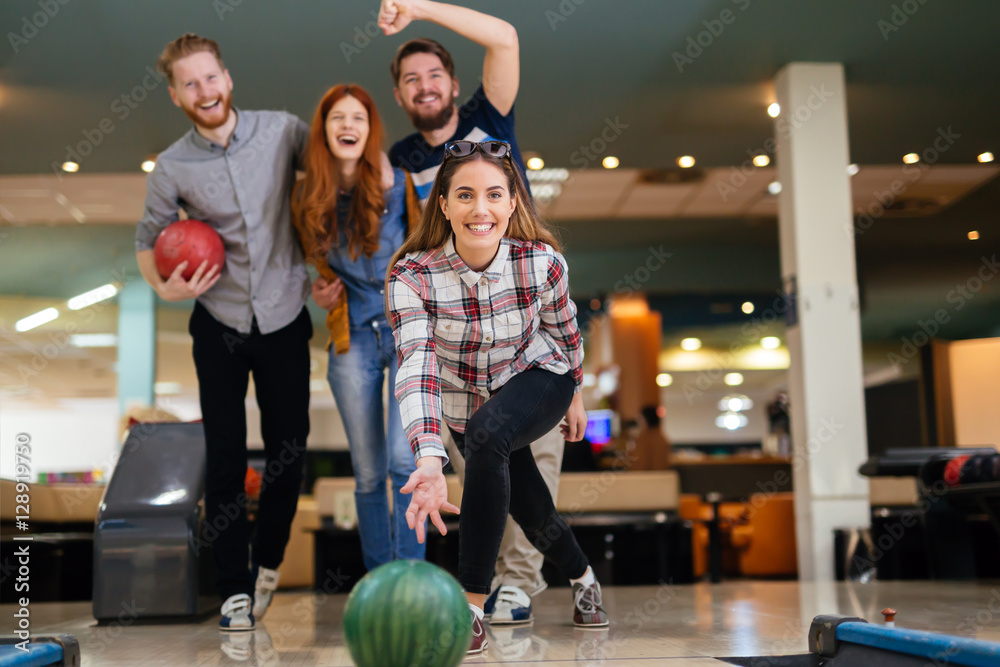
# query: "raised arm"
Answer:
x=501 y=66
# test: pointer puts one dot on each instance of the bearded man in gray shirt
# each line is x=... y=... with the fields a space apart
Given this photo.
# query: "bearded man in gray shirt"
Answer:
x=234 y=171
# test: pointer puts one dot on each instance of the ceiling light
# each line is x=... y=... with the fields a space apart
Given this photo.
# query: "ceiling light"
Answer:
x=761 y=160
x=774 y=187
x=102 y=293
x=853 y=169
x=535 y=163
x=735 y=403
x=93 y=340
x=664 y=380
x=770 y=342
x=70 y=167
x=148 y=165
x=774 y=109
x=36 y=320
x=685 y=162
x=985 y=157
x=610 y=162
x=731 y=421
x=747 y=307
x=733 y=379
x=973 y=235
x=691 y=344
x=911 y=158
x=550 y=175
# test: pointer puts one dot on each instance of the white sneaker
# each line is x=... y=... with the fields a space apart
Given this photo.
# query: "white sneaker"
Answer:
x=267 y=583
x=513 y=606
x=236 y=615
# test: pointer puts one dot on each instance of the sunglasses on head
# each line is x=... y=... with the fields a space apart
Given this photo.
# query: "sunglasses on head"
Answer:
x=467 y=148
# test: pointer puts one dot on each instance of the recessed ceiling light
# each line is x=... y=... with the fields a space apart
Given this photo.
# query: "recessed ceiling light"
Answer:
x=973 y=235
x=985 y=157
x=664 y=379
x=148 y=165
x=733 y=379
x=747 y=307
x=774 y=187
x=774 y=110
x=535 y=163
x=761 y=160
x=691 y=344
x=685 y=162
x=610 y=162
x=911 y=158
x=770 y=342
x=70 y=167
x=853 y=169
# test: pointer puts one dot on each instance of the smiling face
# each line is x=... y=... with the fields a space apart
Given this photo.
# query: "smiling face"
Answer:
x=202 y=89
x=479 y=205
x=347 y=128
x=425 y=91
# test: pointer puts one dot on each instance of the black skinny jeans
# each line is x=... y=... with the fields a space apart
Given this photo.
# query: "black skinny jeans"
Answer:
x=279 y=361
x=501 y=477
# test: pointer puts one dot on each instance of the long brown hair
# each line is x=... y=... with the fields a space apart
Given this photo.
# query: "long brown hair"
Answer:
x=314 y=204
x=435 y=228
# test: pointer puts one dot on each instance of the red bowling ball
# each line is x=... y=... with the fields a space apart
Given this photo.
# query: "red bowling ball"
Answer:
x=190 y=240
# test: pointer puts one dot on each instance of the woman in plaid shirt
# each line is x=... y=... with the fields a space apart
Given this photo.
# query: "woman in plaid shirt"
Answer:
x=478 y=300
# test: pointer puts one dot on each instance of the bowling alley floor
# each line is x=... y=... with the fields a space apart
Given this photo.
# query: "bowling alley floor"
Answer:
x=659 y=625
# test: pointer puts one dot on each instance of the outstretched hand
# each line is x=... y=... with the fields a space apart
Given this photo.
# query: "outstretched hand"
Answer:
x=430 y=495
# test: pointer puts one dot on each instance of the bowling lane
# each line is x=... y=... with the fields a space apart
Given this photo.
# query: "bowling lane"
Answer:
x=686 y=625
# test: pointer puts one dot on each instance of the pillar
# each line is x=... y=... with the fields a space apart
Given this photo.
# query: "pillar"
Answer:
x=826 y=388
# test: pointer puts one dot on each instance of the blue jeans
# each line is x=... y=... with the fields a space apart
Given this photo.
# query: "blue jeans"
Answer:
x=378 y=449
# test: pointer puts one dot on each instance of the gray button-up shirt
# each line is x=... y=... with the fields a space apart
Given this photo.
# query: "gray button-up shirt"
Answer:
x=243 y=191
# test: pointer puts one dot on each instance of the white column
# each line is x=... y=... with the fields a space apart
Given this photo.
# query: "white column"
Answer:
x=826 y=389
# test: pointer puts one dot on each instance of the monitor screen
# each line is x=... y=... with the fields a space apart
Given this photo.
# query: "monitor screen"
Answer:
x=599 y=424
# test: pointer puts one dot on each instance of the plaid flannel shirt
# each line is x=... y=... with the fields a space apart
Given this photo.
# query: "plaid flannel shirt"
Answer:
x=461 y=335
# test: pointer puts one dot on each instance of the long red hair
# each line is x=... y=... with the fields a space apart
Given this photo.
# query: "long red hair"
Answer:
x=314 y=206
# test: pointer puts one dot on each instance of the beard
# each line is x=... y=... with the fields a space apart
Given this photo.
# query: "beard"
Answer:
x=194 y=113
x=433 y=122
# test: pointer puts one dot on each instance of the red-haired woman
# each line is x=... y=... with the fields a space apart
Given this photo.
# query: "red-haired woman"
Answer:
x=350 y=212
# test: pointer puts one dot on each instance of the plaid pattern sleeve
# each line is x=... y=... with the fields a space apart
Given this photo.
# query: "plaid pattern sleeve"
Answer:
x=418 y=385
x=558 y=317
